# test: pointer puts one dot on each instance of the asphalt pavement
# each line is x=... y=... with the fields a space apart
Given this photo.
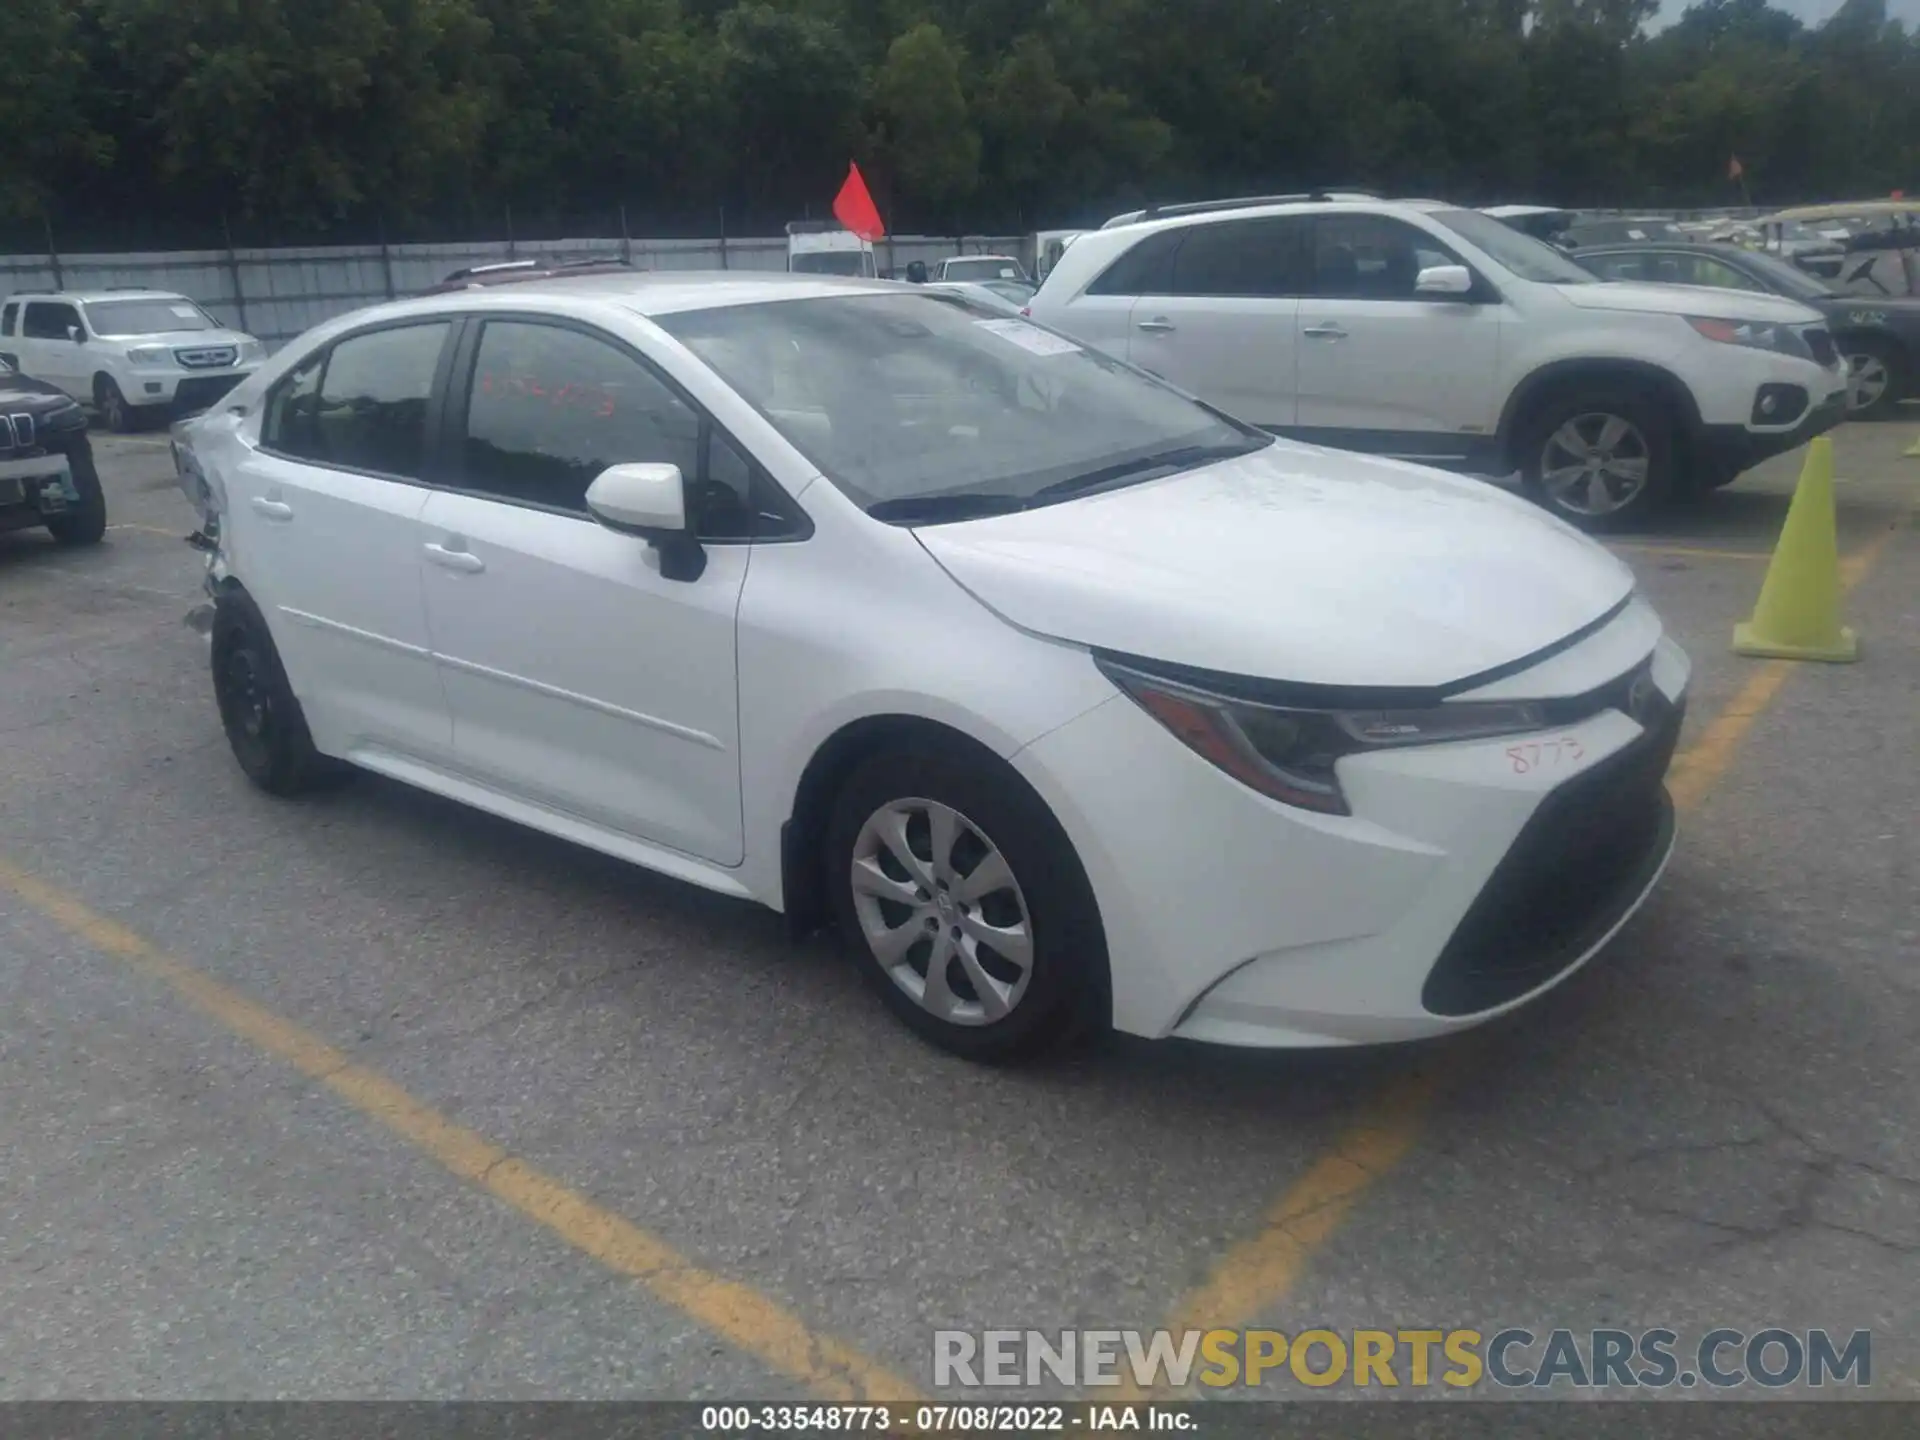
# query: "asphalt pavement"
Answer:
x=370 y=1096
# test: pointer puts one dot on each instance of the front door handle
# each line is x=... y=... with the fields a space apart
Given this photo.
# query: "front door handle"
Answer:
x=1328 y=331
x=464 y=561
x=272 y=509
x=1159 y=325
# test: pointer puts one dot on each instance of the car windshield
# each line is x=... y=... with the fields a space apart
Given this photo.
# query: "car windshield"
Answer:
x=1788 y=279
x=831 y=262
x=1017 y=292
x=912 y=399
x=112 y=319
x=987 y=267
x=1525 y=256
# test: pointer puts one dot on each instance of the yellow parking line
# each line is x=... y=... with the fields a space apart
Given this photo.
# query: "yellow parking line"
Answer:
x=758 y=1325
x=1259 y=1272
x=1691 y=552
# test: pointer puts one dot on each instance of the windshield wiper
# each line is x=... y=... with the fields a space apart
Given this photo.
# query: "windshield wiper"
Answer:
x=958 y=505
x=1144 y=467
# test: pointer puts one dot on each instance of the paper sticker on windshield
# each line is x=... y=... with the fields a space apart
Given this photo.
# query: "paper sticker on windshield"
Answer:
x=185 y=312
x=1030 y=337
x=1636 y=234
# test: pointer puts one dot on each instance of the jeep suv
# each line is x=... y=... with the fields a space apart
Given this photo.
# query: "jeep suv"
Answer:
x=46 y=464
x=1427 y=332
x=135 y=355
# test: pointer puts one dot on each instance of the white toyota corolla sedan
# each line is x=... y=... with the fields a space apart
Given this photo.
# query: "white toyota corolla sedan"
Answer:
x=1070 y=700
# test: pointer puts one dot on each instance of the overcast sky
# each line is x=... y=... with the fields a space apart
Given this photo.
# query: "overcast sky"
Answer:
x=1813 y=11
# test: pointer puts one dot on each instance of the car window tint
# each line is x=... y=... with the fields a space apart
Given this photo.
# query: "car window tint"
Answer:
x=48 y=321
x=1706 y=270
x=1146 y=269
x=1245 y=258
x=372 y=408
x=1371 y=257
x=550 y=408
x=1619 y=267
x=290 y=426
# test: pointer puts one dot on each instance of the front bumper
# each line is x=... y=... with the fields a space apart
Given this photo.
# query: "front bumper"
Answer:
x=1731 y=449
x=1470 y=878
x=35 y=488
x=183 y=391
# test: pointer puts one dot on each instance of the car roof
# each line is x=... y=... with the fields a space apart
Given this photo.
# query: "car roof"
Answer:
x=1278 y=207
x=1690 y=247
x=649 y=292
x=86 y=297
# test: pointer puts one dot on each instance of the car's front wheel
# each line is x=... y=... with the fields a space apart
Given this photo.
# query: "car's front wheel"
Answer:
x=86 y=522
x=1600 y=459
x=264 y=723
x=120 y=417
x=964 y=903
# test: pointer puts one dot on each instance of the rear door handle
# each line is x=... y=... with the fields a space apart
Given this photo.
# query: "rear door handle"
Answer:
x=464 y=561
x=1328 y=331
x=272 y=509
x=1158 y=325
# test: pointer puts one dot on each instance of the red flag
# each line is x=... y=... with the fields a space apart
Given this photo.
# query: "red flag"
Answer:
x=853 y=207
x=1735 y=169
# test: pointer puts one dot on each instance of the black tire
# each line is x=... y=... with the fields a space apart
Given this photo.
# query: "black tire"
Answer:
x=116 y=413
x=1878 y=350
x=1648 y=419
x=263 y=720
x=85 y=523
x=1065 y=994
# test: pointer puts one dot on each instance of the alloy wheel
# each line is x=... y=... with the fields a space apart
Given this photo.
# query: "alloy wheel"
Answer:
x=1595 y=464
x=941 y=912
x=1867 y=381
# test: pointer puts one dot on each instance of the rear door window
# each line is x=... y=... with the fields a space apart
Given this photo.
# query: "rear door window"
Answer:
x=7 y=316
x=362 y=405
x=1249 y=259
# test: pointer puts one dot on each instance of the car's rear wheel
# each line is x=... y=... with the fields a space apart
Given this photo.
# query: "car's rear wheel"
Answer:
x=264 y=723
x=1875 y=380
x=964 y=904
x=1599 y=459
x=120 y=417
x=86 y=522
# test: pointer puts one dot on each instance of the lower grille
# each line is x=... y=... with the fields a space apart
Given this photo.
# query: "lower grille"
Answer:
x=202 y=390
x=1575 y=868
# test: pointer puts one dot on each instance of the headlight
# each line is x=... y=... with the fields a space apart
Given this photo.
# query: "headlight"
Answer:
x=1288 y=753
x=252 y=352
x=149 y=355
x=1754 y=334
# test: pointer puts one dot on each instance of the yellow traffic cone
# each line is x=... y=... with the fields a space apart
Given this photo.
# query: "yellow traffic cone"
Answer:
x=1798 y=615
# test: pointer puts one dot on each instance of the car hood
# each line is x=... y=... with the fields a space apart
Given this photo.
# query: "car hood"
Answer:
x=183 y=339
x=34 y=397
x=1688 y=300
x=1294 y=563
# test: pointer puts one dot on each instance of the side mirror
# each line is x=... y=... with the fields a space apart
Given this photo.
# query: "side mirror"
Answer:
x=76 y=335
x=1444 y=280
x=649 y=501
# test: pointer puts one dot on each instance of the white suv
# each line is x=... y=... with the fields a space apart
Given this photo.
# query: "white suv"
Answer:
x=1432 y=333
x=132 y=354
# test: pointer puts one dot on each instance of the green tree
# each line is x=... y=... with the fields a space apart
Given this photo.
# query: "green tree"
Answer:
x=922 y=130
